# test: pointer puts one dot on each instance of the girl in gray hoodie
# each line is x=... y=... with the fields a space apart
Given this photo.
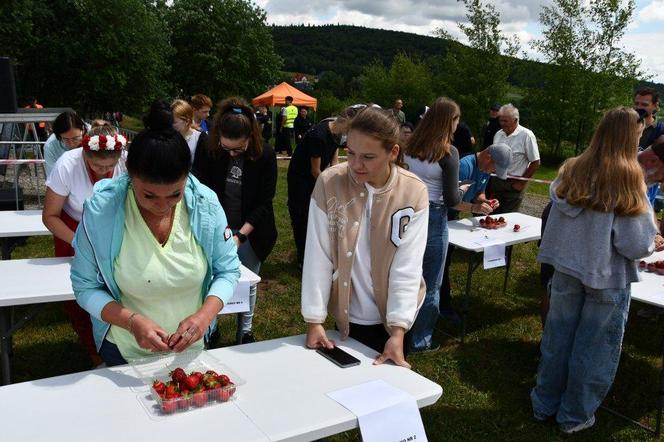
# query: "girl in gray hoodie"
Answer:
x=600 y=223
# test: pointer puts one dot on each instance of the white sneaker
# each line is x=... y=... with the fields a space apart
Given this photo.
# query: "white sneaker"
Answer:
x=569 y=429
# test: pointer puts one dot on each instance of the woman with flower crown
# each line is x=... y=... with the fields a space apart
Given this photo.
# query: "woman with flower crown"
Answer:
x=68 y=185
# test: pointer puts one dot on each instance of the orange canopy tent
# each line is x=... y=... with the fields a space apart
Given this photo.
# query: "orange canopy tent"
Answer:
x=277 y=96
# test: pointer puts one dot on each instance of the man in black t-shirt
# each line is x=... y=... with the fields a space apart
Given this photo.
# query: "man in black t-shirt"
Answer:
x=492 y=126
x=302 y=124
x=463 y=140
x=317 y=150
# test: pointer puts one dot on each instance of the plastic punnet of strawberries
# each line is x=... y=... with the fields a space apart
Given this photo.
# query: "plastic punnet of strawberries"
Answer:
x=183 y=391
x=490 y=222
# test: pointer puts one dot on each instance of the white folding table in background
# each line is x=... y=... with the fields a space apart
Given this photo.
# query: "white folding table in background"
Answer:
x=37 y=282
x=17 y=223
x=284 y=399
x=650 y=290
x=468 y=235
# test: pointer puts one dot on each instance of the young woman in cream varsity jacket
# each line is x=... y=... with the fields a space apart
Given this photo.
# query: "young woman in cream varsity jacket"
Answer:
x=366 y=238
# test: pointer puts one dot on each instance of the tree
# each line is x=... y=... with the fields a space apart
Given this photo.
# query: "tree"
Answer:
x=588 y=70
x=476 y=77
x=94 y=56
x=407 y=78
x=222 y=47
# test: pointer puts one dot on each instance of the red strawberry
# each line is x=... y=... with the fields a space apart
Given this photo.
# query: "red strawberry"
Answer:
x=159 y=387
x=501 y=220
x=168 y=407
x=171 y=392
x=192 y=381
x=225 y=394
x=213 y=387
x=178 y=375
x=223 y=380
x=482 y=222
x=651 y=267
x=517 y=227
x=185 y=400
x=200 y=397
x=642 y=264
x=212 y=372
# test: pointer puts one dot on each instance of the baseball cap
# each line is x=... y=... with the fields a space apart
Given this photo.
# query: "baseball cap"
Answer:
x=502 y=157
x=495 y=107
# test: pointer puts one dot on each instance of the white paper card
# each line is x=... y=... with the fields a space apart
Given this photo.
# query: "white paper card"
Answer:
x=494 y=254
x=384 y=412
x=240 y=301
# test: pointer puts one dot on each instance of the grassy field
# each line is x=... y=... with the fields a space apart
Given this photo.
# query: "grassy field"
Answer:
x=486 y=381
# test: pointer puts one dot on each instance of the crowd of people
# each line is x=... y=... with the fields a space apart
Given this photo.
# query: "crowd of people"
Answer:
x=157 y=247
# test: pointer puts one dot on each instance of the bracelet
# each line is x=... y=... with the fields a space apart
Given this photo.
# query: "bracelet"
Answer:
x=130 y=322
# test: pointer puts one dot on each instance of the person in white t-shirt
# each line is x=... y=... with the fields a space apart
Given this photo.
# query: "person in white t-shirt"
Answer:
x=68 y=185
x=525 y=159
x=183 y=122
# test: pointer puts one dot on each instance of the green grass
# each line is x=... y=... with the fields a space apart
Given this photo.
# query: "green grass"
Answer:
x=546 y=171
x=485 y=382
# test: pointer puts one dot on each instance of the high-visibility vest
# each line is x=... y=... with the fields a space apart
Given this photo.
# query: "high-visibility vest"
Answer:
x=291 y=114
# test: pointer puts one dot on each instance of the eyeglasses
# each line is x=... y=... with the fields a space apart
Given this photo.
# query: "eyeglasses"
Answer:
x=234 y=149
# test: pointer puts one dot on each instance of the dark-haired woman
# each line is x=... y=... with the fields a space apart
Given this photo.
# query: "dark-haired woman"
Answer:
x=154 y=259
x=67 y=187
x=242 y=170
x=68 y=131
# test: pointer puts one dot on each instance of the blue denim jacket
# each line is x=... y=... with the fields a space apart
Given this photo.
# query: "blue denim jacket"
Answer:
x=99 y=237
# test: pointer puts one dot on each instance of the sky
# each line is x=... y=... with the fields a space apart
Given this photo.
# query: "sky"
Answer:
x=644 y=37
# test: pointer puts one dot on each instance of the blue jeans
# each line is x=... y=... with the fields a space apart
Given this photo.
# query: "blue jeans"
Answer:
x=434 y=258
x=580 y=348
x=248 y=259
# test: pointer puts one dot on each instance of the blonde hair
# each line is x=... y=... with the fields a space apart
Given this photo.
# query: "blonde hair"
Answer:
x=183 y=110
x=432 y=138
x=607 y=177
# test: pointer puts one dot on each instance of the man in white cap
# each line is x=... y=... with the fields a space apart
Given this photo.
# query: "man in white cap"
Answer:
x=496 y=159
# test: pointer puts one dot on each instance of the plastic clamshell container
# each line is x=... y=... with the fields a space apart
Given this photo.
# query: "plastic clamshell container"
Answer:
x=159 y=368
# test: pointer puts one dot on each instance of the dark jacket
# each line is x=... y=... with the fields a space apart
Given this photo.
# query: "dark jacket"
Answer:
x=259 y=181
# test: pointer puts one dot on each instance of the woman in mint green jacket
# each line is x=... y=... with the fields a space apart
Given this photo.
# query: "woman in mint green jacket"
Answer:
x=155 y=260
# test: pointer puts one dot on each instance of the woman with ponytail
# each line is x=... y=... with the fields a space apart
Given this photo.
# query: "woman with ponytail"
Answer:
x=155 y=261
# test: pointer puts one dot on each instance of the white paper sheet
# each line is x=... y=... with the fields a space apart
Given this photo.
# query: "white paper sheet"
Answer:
x=239 y=303
x=385 y=413
x=494 y=254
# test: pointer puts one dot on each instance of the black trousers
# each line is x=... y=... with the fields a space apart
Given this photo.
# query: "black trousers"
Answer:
x=299 y=215
x=373 y=336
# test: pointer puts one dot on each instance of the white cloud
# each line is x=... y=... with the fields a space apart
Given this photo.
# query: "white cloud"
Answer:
x=648 y=46
x=654 y=12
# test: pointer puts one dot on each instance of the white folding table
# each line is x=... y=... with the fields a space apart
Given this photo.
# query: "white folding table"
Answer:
x=284 y=399
x=468 y=235
x=37 y=282
x=650 y=290
x=16 y=223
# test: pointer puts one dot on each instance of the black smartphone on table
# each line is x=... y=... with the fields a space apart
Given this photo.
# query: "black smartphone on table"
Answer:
x=339 y=357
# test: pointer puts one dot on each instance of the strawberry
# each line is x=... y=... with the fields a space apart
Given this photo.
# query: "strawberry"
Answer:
x=501 y=220
x=171 y=392
x=178 y=375
x=642 y=264
x=200 y=397
x=223 y=380
x=211 y=372
x=192 y=381
x=168 y=407
x=185 y=401
x=159 y=387
x=517 y=227
x=213 y=387
x=226 y=392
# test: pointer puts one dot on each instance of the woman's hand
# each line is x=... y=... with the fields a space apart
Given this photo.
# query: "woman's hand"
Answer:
x=317 y=338
x=191 y=329
x=394 y=349
x=148 y=334
x=482 y=208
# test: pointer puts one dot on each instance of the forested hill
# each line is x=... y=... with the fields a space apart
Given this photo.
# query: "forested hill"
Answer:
x=346 y=49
